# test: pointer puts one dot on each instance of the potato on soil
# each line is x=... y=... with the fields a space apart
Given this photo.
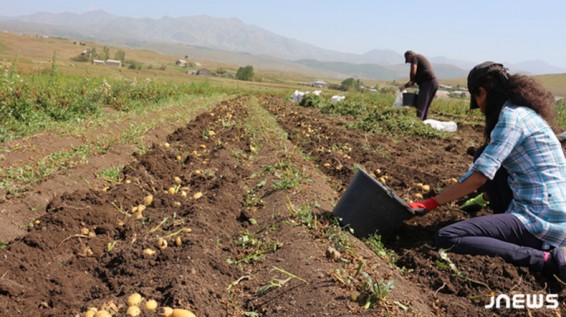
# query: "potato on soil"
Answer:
x=167 y=311
x=148 y=251
x=135 y=299
x=147 y=200
x=90 y=312
x=162 y=243
x=182 y=313
x=102 y=313
x=151 y=305
x=133 y=311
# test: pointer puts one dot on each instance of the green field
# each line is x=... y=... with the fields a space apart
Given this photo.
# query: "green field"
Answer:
x=43 y=86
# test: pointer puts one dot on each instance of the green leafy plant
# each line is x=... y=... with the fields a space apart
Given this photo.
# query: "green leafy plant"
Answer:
x=111 y=174
x=371 y=293
x=375 y=244
x=254 y=248
x=312 y=101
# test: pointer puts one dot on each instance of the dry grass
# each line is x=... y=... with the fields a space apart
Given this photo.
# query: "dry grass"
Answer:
x=34 y=54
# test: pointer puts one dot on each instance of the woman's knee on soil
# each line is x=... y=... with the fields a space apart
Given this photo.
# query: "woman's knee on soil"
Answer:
x=445 y=238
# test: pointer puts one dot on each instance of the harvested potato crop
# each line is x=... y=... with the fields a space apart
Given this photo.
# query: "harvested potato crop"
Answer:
x=102 y=313
x=133 y=311
x=135 y=299
x=162 y=243
x=167 y=311
x=151 y=305
x=90 y=312
x=182 y=313
x=148 y=251
x=147 y=200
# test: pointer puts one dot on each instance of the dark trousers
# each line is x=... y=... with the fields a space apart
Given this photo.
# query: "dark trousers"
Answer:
x=497 y=189
x=500 y=235
x=427 y=91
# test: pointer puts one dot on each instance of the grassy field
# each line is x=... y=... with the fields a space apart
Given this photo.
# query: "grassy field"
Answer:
x=42 y=86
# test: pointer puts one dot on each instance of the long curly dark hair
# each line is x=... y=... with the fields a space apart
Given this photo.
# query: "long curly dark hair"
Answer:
x=520 y=90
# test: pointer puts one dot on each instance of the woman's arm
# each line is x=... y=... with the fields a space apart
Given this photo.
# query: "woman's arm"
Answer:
x=459 y=190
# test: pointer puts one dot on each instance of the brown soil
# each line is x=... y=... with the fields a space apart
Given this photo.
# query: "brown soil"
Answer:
x=244 y=233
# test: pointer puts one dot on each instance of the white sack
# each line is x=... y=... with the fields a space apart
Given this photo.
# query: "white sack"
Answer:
x=446 y=126
x=337 y=98
x=398 y=100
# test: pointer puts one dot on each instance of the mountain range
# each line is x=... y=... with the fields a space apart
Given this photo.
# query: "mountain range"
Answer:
x=232 y=41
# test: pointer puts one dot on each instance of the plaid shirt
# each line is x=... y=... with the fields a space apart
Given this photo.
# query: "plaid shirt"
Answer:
x=526 y=146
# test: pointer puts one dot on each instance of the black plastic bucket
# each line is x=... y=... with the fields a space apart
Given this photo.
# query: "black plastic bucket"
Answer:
x=370 y=207
x=409 y=99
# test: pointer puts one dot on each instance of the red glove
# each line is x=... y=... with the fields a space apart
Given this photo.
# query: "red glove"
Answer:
x=422 y=207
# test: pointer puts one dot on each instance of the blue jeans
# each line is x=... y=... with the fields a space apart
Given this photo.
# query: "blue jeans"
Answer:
x=500 y=235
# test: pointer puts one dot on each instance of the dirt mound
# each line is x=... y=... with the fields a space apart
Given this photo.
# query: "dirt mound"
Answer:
x=240 y=224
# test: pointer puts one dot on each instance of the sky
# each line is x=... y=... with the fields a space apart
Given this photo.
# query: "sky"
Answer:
x=507 y=31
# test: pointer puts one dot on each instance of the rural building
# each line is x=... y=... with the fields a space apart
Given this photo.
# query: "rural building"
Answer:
x=319 y=84
x=98 y=62
x=114 y=62
x=316 y=84
x=204 y=72
x=181 y=62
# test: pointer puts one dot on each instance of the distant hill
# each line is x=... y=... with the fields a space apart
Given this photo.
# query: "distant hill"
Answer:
x=233 y=41
x=380 y=72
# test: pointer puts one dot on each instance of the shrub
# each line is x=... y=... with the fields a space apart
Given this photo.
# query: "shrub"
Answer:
x=311 y=101
x=245 y=73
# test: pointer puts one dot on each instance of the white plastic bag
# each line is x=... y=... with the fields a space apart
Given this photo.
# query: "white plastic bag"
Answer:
x=446 y=126
x=337 y=98
x=298 y=96
x=399 y=100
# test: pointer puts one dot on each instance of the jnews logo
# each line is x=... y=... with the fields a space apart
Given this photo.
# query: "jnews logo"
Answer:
x=522 y=301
